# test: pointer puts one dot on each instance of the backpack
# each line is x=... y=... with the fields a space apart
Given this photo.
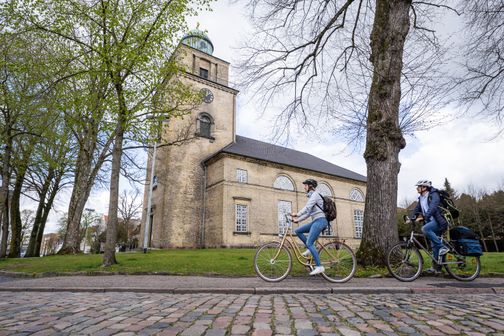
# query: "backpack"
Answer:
x=447 y=205
x=329 y=208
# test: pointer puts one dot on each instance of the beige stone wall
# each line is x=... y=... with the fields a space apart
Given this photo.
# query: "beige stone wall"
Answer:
x=262 y=200
x=178 y=198
x=193 y=60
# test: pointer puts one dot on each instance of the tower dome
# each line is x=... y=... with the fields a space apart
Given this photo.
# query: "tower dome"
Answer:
x=197 y=39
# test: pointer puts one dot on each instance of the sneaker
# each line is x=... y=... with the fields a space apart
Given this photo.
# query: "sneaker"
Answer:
x=433 y=271
x=318 y=270
x=443 y=250
x=306 y=253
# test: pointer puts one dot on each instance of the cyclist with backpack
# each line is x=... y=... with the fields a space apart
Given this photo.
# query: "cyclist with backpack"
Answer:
x=314 y=208
x=427 y=209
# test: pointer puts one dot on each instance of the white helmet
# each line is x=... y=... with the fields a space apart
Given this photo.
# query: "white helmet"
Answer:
x=424 y=183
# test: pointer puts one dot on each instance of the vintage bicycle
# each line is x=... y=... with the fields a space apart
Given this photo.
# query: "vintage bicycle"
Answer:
x=405 y=259
x=273 y=260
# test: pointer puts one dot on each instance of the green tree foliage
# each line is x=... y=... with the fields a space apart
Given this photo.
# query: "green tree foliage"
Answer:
x=123 y=52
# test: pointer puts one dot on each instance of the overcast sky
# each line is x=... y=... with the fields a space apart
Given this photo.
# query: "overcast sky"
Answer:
x=461 y=151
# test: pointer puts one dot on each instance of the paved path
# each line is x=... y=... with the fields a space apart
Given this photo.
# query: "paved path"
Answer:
x=67 y=313
x=247 y=285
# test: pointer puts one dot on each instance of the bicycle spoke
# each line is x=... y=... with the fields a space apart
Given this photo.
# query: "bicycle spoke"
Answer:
x=271 y=269
x=404 y=262
x=463 y=268
x=339 y=262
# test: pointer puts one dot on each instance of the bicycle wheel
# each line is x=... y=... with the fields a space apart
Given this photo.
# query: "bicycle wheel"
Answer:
x=463 y=268
x=404 y=262
x=271 y=263
x=339 y=262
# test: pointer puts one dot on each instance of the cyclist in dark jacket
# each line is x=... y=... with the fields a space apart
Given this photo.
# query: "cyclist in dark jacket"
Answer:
x=428 y=210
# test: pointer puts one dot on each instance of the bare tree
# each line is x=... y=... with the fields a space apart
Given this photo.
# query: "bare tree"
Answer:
x=27 y=220
x=319 y=55
x=130 y=206
x=483 y=79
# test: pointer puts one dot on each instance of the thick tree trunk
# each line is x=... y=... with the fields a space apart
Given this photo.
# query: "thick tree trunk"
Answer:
x=83 y=183
x=4 y=196
x=16 y=225
x=384 y=137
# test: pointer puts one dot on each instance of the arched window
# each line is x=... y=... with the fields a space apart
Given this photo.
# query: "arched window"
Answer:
x=356 y=195
x=283 y=182
x=324 y=189
x=205 y=125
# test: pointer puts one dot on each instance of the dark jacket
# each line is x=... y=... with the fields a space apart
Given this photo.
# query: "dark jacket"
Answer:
x=434 y=211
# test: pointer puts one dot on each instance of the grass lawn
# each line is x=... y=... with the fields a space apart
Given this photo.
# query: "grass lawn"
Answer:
x=224 y=262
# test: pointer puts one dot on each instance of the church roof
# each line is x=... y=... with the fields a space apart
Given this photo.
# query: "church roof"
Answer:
x=268 y=152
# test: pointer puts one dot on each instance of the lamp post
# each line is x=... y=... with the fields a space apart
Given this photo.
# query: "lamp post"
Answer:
x=149 y=200
x=149 y=197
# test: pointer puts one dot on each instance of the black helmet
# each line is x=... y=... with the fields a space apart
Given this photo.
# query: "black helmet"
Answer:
x=311 y=182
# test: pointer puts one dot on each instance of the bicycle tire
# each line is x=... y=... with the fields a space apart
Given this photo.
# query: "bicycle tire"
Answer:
x=463 y=268
x=404 y=262
x=339 y=262
x=272 y=270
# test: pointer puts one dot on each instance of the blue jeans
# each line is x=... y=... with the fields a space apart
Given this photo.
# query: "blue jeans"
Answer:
x=432 y=230
x=314 y=229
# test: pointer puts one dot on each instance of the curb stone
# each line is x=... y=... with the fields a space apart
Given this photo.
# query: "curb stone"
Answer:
x=263 y=291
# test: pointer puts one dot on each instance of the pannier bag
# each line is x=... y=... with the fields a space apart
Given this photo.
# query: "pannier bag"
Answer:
x=462 y=232
x=466 y=241
x=469 y=247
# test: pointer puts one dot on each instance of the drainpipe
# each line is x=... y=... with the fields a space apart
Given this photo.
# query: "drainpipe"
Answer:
x=203 y=212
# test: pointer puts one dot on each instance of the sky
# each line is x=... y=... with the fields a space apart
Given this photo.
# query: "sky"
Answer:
x=462 y=150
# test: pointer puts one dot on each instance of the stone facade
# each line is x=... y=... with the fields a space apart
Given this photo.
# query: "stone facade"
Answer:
x=262 y=199
x=196 y=197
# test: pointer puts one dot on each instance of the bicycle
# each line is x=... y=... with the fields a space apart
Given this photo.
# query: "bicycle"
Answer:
x=405 y=261
x=273 y=260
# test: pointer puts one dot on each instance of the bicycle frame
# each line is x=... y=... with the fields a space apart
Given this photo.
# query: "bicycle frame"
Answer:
x=413 y=240
x=291 y=244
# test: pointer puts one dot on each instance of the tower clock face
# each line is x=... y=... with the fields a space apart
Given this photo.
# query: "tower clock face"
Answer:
x=207 y=95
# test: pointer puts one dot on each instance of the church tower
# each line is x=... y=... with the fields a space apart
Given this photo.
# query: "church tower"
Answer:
x=178 y=191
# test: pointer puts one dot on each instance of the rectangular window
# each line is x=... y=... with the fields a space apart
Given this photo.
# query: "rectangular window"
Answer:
x=241 y=217
x=241 y=175
x=203 y=73
x=284 y=208
x=358 y=222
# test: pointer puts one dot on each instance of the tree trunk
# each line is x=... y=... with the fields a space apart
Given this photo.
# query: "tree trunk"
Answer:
x=84 y=180
x=16 y=225
x=31 y=251
x=4 y=195
x=384 y=137
x=493 y=234
x=83 y=183
x=45 y=214
x=111 y=237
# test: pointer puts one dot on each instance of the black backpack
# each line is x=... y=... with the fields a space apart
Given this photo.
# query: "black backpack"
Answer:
x=329 y=208
x=447 y=205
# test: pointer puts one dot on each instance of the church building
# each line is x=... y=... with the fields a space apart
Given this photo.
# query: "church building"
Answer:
x=224 y=190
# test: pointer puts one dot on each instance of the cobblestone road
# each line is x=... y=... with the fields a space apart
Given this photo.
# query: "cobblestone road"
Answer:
x=223 y=314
